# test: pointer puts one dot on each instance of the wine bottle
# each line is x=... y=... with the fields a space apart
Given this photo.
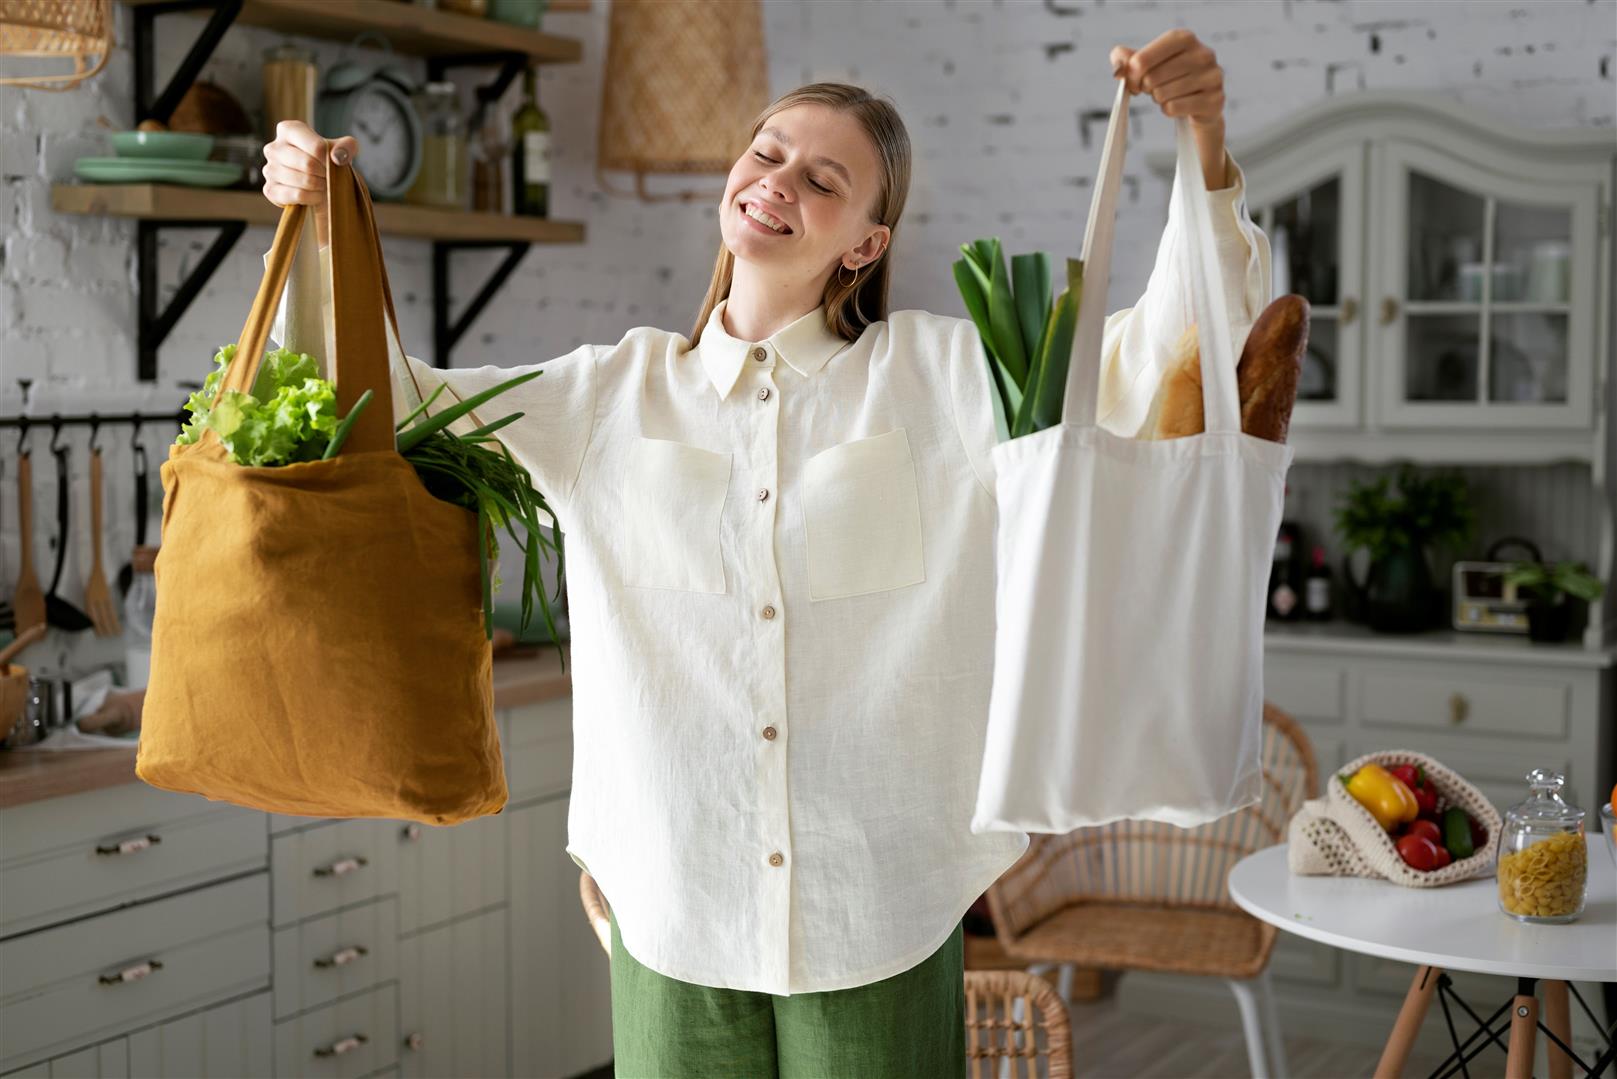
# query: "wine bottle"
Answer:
x=1317 y=589
x=1284 y=602
x=530 y=153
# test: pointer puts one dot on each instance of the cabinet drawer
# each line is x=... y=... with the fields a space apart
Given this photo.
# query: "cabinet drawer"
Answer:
x=321 y=959
x=539 y=748
x=353 y=1037
x=1529 y=704
x=1305 y=688
x=93 y=979
x=64 y=858
x=335 y=865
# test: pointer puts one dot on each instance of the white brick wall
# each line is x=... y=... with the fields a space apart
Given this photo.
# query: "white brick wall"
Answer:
x=992 y=91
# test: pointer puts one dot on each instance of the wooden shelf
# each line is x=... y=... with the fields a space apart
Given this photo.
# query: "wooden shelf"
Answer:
x=418 y=31
x=175 y=202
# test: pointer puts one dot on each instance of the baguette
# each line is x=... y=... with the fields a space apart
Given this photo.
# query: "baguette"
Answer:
x=1266 y=377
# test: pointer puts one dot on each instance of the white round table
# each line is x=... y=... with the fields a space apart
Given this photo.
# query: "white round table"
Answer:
x=1454 y=927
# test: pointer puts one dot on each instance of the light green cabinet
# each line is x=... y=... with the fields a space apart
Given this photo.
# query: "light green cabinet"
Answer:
x=194 y=938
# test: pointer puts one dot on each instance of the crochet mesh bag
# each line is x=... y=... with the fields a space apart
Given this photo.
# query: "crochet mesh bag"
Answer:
x=1336 y=836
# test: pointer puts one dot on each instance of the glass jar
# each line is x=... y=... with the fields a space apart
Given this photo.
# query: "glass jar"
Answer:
x=1543 y=860
x=442 y=180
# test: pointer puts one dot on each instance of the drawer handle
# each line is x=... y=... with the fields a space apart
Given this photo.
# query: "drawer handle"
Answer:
x=1459 y=708
x=415 y=1040
x=341 y=1046
x=129 y=846
x=412 y=832
x=341 y=867
x=132 y=974
x=343 y=957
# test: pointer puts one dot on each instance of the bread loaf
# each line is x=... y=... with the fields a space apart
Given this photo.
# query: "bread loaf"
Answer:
x=1266 y=377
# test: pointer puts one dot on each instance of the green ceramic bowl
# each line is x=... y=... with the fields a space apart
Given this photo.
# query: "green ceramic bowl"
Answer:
x=189 y=145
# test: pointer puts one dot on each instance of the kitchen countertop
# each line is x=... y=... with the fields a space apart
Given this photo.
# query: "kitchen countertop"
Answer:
x=531 y=674
x=1340 y=637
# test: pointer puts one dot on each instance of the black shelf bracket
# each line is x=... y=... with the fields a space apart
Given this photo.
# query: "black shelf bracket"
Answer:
x=446 y=333
x=161 y=106
x=154 y=326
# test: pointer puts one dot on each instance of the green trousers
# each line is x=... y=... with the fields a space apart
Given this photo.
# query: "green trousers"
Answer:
x=909 y=1026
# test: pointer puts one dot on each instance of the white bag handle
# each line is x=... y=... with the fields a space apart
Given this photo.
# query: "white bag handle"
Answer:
x=1188 y=207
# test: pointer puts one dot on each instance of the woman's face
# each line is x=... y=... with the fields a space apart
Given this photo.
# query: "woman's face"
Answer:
x=791 y=171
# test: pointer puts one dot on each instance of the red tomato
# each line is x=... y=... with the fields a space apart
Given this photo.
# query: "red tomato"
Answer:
x=1427 y=828
x=1443 y=856
x=1418 y=852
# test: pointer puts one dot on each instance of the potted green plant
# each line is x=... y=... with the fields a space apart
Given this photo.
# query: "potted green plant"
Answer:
x=1546 y=587
x=1397 y=595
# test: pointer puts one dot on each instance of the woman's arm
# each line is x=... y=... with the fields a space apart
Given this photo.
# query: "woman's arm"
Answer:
x=1183 y=76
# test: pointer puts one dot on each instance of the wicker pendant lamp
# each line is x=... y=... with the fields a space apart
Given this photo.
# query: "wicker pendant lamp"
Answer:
x=683 y=83
x=61 y=30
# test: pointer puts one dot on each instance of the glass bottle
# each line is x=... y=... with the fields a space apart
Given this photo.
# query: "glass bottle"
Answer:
x=443 y=177
x=140 y=610
x=530 y=153
x=488 y=167
x=1543 y=860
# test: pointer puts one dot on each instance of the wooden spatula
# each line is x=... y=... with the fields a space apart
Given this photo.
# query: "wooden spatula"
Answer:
x=29 y=602
x=97 y=596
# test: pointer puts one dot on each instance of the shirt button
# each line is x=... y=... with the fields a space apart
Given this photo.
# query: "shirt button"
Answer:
x=763 y=393
x=763 y=493
x=759 y=354
x=777 y=858
x=769 y=734
x=768 y=611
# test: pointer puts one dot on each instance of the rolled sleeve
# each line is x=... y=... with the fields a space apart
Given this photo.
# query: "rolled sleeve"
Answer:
x=1138 y=342
x=558 y=407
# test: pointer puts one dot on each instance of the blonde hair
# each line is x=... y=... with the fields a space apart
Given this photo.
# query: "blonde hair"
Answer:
x=848 y=308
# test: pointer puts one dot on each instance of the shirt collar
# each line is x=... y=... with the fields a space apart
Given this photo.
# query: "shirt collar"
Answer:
x=806 y=344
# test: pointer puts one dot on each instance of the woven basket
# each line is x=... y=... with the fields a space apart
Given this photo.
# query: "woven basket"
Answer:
x=74 y=30
x=1336 y=836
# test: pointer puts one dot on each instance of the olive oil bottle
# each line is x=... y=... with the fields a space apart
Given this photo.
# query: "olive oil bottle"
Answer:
x=530 y=153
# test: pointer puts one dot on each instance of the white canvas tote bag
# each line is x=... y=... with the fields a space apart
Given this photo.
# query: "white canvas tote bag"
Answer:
x=1128 y=658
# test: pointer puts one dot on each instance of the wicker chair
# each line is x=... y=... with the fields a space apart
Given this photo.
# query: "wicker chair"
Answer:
x=1011 y=1015
x=1139 y=895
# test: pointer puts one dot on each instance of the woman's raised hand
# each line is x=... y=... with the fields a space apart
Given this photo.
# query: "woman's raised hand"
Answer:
x=1182 y=75
x=295 y=163
x=1179 y=71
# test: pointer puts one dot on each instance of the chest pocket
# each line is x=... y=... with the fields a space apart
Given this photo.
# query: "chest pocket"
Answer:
x=673 y=498
x=862 y=512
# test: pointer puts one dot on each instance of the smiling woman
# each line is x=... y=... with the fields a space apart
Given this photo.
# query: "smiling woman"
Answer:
x=829 y=165
x=780 y=581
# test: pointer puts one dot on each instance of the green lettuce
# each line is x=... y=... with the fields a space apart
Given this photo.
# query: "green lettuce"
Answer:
x=289 y=416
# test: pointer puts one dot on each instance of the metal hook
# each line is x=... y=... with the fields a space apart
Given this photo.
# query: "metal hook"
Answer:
x=95 y=428
x=56 y=433
x=134 y=437
x=22 y=437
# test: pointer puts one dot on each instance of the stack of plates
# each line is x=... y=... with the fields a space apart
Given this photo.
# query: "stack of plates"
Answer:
x=168 y=157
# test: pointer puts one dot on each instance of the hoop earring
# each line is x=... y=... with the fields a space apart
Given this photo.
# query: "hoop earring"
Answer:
x=846 y=284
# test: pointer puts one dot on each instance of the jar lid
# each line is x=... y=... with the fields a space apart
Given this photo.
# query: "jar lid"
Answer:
x=1544 y=802
x=288 y=50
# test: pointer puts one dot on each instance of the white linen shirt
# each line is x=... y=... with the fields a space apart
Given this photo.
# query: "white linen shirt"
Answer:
x=781 y=593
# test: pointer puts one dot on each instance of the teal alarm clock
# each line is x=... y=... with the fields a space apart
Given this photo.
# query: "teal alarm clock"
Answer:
x=372 y=102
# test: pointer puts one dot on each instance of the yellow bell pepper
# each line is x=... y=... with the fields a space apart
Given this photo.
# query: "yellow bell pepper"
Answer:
x=1383 y=794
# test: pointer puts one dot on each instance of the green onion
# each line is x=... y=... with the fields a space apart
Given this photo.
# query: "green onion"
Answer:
x=340 y=435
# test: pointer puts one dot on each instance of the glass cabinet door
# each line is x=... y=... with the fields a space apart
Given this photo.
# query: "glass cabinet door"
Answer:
x=1309 y=205
x=1483 y=321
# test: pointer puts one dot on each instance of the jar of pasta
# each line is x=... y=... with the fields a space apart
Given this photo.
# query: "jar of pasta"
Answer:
x=1543 y=861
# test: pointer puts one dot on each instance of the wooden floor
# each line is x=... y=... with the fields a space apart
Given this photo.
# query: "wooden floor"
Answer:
x=1107 y=1043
